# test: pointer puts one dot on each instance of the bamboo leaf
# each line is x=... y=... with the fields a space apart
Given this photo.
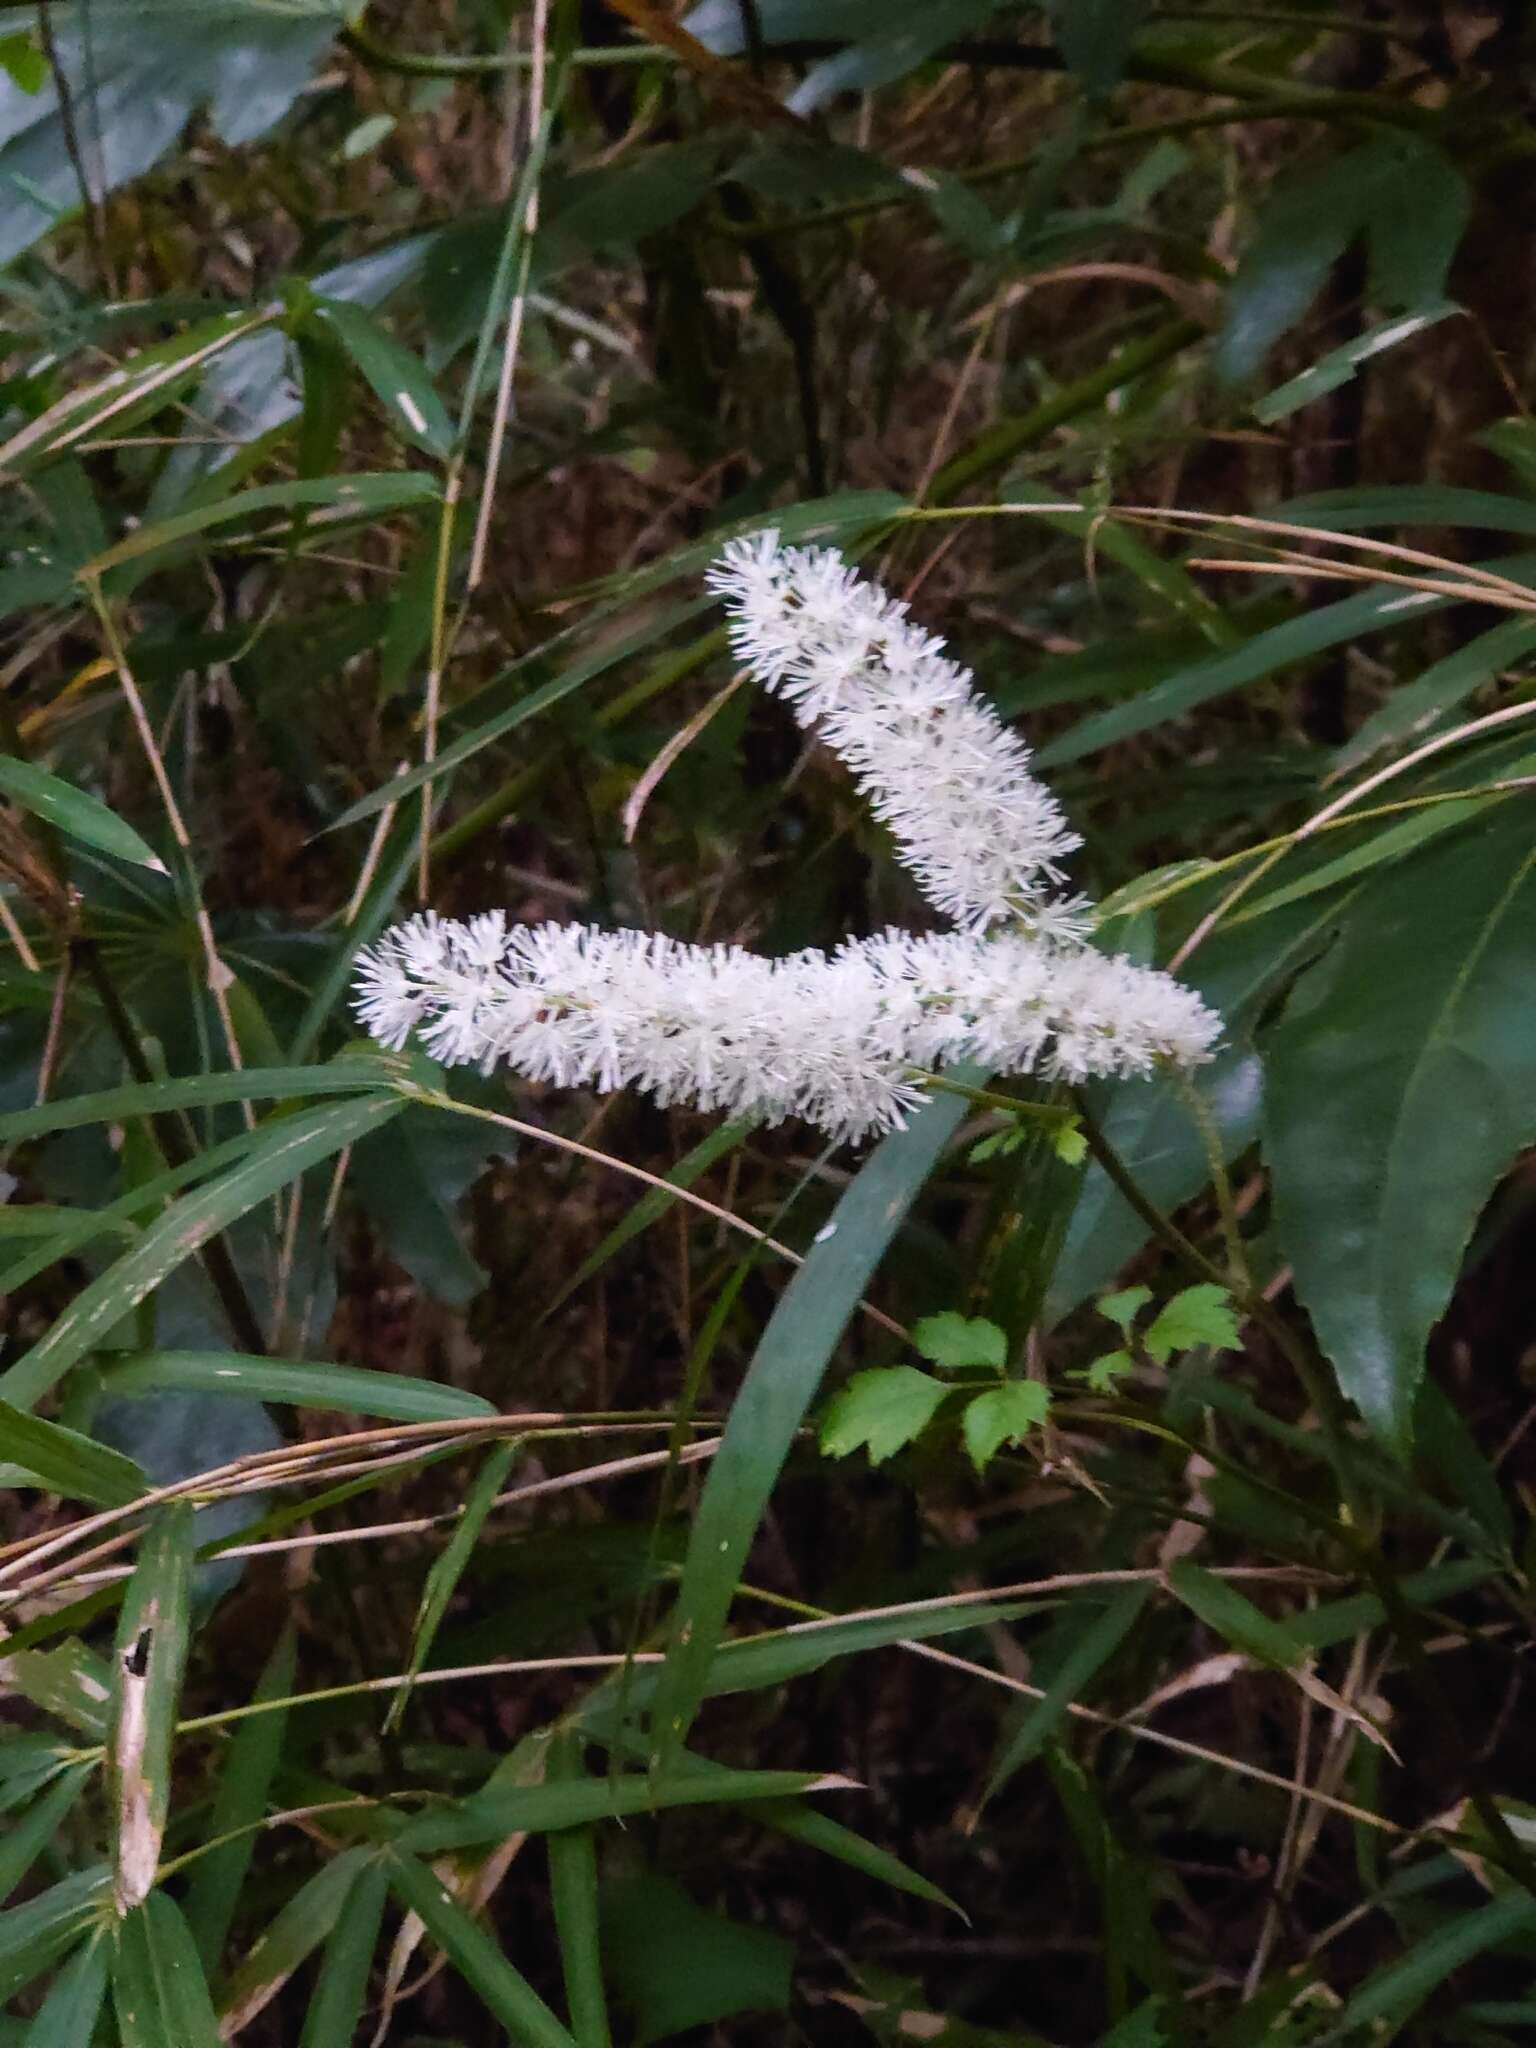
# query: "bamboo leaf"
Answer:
x=63 y=1461
x=341 y=1989
x=298 y=1928
x=71 y=811
x=294 y=1144
x=67 y=2017
x=781 y=1383
x=151 y=1655
x=158 y=1988
x=501 y=1988
x=238 y=1804
x=352 y=1388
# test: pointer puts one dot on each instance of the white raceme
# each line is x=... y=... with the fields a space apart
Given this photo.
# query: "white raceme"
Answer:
x=984 y=838
x=846 y=1040
x=841 y=1040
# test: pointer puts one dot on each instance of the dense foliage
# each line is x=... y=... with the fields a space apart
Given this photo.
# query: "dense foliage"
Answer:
x=489 y=1560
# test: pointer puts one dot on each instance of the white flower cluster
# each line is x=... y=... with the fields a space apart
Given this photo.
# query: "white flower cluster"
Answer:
x=842 y=1040
x=847 y=1039
x=984 y=838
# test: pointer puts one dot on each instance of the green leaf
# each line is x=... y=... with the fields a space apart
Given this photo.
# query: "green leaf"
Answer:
x=1105 y=1372
x=1233 y=1615
x=1340 y=364
x=479 y=1960
x=300 y=1925
x=341 y=1988
x=67 y=2017
x=71 y=1681
x=359 y=493
x=25 y=1839
x=158 y=1988
x=1095 y=38
x=1202 y=1314
x=953 y=1341
x=573 y=1889
x=492 y=1815
x=1401 y=1083
x=1415 y=708
x=1123 y=1308
x=781 y=1383
x=448 y=1568
x=71 y=811
x=399 y=382
x=677 y=1967
x=1090 y=1652
x=196 y=1091
x=293 y=1144
x=151 y=1654
x=1397 y=1991
x=1381 y=607
x=884 y=1408
x=63 y=1461
x=351 y=1388
x=34 y=1936
x=1002 y=1415
x=239 y=1804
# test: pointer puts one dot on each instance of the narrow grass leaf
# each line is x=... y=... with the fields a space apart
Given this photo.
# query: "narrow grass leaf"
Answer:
x=781 y=1383
x=159 y=1991
x=68 y=2016
x=1098 y=1643
x=1398 y=1991
x=535 y=1809
x=341 y=1988
x=71 y=811
x=197 y=1091
x=448 y=1568
x=503 y=1990
x=26 y=1838
x=151 y=1655
x=573 y=1889
x=62 y=1461
x=361 y=492
x=238 y=1805
x=355 y=1389
x=34 y=1936
x=293 y=1145
x=297 y=1929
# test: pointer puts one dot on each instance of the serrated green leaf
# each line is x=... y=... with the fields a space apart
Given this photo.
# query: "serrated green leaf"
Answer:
x=884 y=1408
x=1203 y=1314
x=1122 y=1308
x=955 y=1341
x=1104 y=1373
x=1404 y=1064
x=1002 y=1415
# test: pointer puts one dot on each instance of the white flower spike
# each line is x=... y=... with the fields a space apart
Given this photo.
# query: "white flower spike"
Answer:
x=844 y=1041
x=983 y=836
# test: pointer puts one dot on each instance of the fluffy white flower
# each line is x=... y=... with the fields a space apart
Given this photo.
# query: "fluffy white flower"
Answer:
x=844 y=1041
x=984 y=838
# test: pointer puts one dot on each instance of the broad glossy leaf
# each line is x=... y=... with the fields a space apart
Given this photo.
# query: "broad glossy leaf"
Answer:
x=781 y=1383
x=1401 y=1084
x=71 y=811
